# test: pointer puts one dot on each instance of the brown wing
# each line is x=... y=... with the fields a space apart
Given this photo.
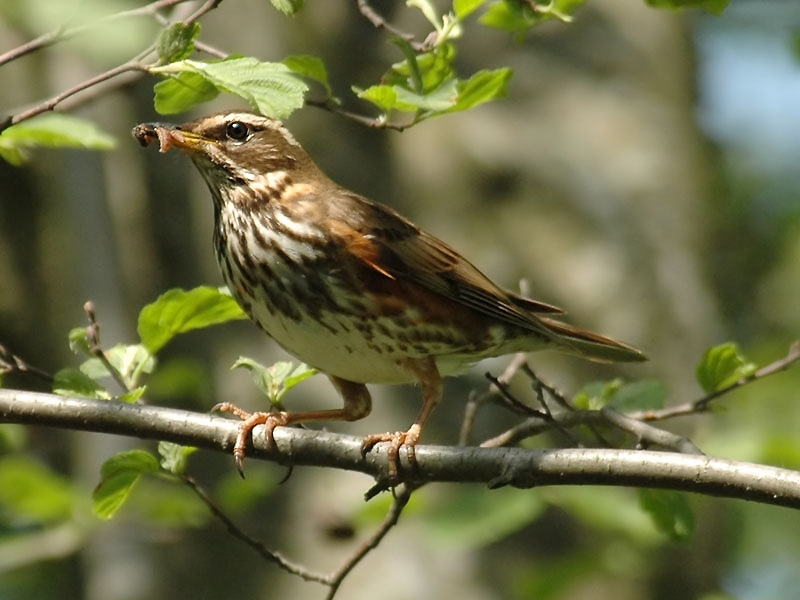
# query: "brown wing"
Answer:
x=396 y=248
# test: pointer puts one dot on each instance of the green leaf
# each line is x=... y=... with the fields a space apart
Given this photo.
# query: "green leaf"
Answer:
x=72 y=382
x=176 y=42
x=515 y=17
x=179 y=94
x=174 y=457
x=53 y=130
x=311 y=67
x=722 y=366
x=482 y=87
x=382 y=96
x=118 y=475
x=274 y=381
x=464 y=8
x=716 y=7
x=270 y=88
x=132 y=396
x=670 y=512
x=288 y=7
x=79 y=340
x=130 y=360
x=178 y=311
x=31 y=491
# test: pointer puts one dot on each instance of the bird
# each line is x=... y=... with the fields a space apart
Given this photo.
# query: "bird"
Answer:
x=349 y=286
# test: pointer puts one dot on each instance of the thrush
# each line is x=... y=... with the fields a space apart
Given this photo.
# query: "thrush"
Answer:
x=348 y=285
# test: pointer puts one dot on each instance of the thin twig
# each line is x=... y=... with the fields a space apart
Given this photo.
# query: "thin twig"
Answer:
x=702 y=404
x=63 y=33
x=11 y=363
x=647 y=434
x=93 y=339
x=380 y=23
x=52 y=103
x=401 y=499
x=269 y=555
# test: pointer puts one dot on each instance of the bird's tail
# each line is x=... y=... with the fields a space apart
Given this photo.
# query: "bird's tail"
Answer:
x=592 y=345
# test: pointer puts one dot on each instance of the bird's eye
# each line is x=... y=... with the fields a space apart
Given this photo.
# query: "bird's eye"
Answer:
x=237 y=131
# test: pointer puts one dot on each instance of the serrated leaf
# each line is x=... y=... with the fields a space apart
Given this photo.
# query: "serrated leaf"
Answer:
x=178 y=311
x=716 y=7
x=669 y=511
x=270 y=88
x=311 y=67
x=182 y=92
x=72 y=382
x=53 y=130
x=174 y=457
x=176 y=42
x=118 y=475
x=464 y=8
x=722 y=366
x=277 y=379
x=288 y=7
x=647 y=394
x=483 y=86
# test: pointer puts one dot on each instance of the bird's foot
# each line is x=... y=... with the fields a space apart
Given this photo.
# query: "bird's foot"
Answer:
x=398 y=439
x=270 y=420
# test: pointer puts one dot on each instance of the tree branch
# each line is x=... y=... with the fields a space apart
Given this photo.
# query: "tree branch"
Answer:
x=497 y=467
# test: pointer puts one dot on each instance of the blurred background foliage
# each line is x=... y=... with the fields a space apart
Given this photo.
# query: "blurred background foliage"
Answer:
x=642 y=173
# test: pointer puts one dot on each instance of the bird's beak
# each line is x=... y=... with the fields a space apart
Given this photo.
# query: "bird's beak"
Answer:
x=168 y=135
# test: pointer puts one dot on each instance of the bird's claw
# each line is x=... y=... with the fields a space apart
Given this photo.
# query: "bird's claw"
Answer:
x=270 y=420
x=396 y=440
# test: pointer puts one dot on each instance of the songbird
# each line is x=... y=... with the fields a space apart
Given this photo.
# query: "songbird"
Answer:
x=348 y=285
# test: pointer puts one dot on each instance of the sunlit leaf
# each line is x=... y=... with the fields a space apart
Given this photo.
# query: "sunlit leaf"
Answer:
x=272 y=89
x=483 y=86
x=277 y=379
x=118 y=475
x=464 y=8
x=382 y=96
x=721 y=366
x=288 y=7
x=311 y=67
x=178 y=311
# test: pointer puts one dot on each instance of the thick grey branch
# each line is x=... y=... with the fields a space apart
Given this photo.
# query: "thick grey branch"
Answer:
x=494 y=466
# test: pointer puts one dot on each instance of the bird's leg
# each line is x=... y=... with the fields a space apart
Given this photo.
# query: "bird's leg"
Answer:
x=427 y=374
x=357 y=405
